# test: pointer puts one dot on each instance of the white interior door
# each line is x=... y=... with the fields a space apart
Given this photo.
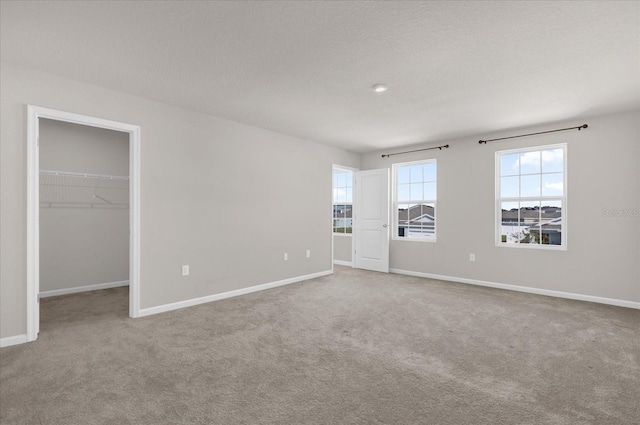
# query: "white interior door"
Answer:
x=371 y=221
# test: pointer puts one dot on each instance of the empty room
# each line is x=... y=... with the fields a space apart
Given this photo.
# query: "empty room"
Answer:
x=345 y=212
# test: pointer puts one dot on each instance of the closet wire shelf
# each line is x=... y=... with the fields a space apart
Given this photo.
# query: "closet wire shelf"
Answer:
x=65 y=189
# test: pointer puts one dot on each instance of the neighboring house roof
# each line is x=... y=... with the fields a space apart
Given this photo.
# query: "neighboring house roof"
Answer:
x=552 y=226
x=417 y=214
x=531 y=214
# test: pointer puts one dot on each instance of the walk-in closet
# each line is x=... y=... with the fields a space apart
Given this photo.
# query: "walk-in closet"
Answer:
x=84 y=208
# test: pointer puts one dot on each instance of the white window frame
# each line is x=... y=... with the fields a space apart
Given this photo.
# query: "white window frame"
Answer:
x=342 y=169
x=563 y=199
x=394 y=204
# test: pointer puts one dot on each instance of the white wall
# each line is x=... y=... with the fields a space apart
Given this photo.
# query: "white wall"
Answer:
x=81 y=246
x=602 y=255
x=226 y=198
x=342 y=249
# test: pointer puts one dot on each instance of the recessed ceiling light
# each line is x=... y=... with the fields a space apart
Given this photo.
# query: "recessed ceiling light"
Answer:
x=379 y=88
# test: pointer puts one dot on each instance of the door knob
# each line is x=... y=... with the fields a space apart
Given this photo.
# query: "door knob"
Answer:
x=384 y=225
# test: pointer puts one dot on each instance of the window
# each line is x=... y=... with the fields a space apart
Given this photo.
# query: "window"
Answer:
x=342 y=201
x=531 y=197
x=414 y=200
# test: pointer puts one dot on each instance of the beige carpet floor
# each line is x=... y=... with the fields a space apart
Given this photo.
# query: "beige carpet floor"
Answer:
x=355 y=347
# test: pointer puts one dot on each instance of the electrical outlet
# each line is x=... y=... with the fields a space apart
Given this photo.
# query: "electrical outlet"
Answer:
x=472 y=257
x=286 y=257
x=308 y=253
x=185 y=270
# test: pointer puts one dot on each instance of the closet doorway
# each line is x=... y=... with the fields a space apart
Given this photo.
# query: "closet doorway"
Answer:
x=74 y=185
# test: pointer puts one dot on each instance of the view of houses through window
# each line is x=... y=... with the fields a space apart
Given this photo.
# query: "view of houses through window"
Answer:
x=342 y=201
x=531 y=194
x=415 y=200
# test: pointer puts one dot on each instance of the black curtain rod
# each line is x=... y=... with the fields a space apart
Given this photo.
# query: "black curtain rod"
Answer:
x=580 y=127
x=417 y=150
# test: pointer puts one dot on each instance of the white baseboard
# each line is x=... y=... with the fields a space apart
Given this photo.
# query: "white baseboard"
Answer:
x=215 y=297
x=97 y=286
x=13 y=340
x=527 y=289
x=343 y=263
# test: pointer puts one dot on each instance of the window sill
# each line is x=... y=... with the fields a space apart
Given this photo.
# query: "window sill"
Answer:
x=413 y=240
x=533 y=246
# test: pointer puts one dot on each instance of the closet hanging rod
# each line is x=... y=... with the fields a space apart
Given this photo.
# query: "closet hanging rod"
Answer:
x=80 y=205
x=387 y=155
x=580 y=127
x=85 y=175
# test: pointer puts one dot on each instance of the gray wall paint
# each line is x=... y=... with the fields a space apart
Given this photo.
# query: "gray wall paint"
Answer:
x=603 y=252
x=83 y=149
x=342 y=248
x=83 y=246
x=226 y=198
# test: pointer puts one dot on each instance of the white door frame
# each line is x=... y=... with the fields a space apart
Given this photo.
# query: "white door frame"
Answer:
x=34 y=113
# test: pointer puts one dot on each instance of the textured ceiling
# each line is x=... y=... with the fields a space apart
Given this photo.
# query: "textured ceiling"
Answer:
x=306 y=68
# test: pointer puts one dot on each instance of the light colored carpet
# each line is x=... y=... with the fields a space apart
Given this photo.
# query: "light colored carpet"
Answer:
x=356 y=347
